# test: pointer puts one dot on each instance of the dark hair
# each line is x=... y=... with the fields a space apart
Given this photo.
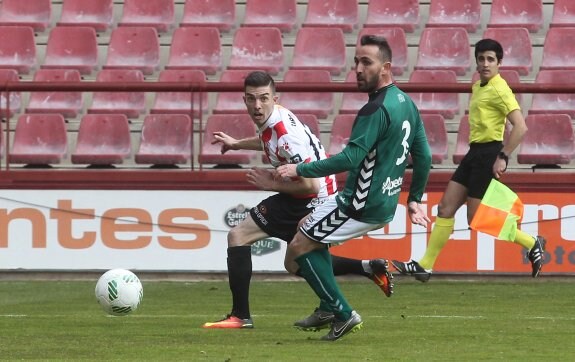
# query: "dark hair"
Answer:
x=259 y=79
x=485 y=45
x=382 y=44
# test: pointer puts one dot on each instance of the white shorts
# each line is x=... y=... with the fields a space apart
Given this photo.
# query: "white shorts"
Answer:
x=327 y=224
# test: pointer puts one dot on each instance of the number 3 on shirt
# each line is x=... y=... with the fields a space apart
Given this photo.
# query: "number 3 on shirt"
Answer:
x=406 y=127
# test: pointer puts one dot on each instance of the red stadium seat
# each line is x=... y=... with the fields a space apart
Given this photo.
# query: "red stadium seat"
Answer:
x=155 y=13
x=134 y=48
x=320 y=104
x=455 y=13
x=547 y=103
x=513 y=14
x=39 y=139
x=557 y=52
x=260 y=48
x=72 y=48
x=69 y=104
x=319 y=48
x=196 y=48
x=231 y=102
x=549 y=140
x=103 y=140
x=404 y=14
x=235 y=125
x=340 y=132
x=352 y=102
x=9 y=75
x=132 y=104
x=282 y=15
x=436 y=136
x=181 y=102
x=446 y=104
x=517 y=49
x=398 y=43
x=33 y=13
x=444 y=49
x=166 y=139
x=97 y=14
x=220 y=14
x=563 y=14
x=511 y=77
x=342 y=14
x=17 y=49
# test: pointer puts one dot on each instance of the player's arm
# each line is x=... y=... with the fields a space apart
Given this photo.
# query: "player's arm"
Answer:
x=519 y=129
x=270 y=180
x=421 y=156
x=230 y=143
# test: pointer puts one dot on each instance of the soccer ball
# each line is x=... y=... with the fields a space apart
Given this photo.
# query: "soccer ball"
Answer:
x=119 y=292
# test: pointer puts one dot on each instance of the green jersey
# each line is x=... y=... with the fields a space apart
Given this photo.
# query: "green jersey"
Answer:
x=385 y=132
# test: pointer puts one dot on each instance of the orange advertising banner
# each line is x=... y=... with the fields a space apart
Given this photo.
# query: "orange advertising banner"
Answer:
x=551 y=215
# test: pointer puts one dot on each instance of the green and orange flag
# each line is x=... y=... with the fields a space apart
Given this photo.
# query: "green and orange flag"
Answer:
x=499 y=212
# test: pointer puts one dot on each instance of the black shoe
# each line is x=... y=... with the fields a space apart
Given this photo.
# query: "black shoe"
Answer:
x=412 y=268
x=341 y=328
x=319 y=319
x=535 y=256
x=381 y=275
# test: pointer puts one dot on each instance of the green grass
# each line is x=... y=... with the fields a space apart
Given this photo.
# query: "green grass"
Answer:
x=519 y=319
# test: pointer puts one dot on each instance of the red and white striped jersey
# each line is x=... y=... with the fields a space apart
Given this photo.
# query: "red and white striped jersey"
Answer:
x=286 y=140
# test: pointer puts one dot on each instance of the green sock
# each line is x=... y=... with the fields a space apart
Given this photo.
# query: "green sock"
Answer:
x=318 y=273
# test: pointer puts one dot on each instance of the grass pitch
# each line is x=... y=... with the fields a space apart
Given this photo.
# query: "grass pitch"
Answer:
x=444 y=320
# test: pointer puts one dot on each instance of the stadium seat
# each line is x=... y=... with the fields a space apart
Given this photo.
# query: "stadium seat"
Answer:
x=517 y=49
x=166 y=139
x=231 y=102
x=511 y=77
x=32 y=13
x=9 y=75
x=320 y=104
x=72 y=48
x=196 y=48
x=319 y=48
x=17 y=49
x=563 y=14
x=351 y=102
x=39 y=139
x=548 y=103
x=282 y=15
x=97 y=14
x=235 y=125
x=340 y=132
x=444 y=49
x=446 y=104
x=462 y=142
x=220 y=14
x=309 y=120
x=455 y=13
x=131 y=104
x=103 y=140
x=548 y=142
x=341 y=14
x=260 y=48
x=158 y=14
x=436 y=136
x=516 y=14
x=404 y=14
x=398 y=43
x=181 y=102
x=69 y=104
x=134 y=48
x=557 y=52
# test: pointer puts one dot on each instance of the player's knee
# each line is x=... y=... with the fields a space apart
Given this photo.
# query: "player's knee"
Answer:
x=235 y=238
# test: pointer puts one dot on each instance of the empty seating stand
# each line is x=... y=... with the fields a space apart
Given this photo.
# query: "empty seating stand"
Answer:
x=39 y=139
x=563 y=14
x=231 y=102
x=33 y=13
x=15 y=98
x=259 y=48
x=511 y=13
x=436 y=136
x=319 y=48
x=455 y=13
x=352 y=102
x=69 y=104
x=181 y=102
x=446 y=104
x=196 y=48
x=549 y=141
x=132 y=104
x=557 y=52
x=341 y=14
x=444 y=49
x=220 y=14
x=97 y=14
x=517 y=49
x=320 y=104
x=546 y=103
x=397 y=40
x=158 y=14
x=340 y=132
x=404 y=14
x=72 y=48
x=103 y=140
x=166 y=140
x=17 y=49
x=236 y=125
x=282 y=15
x=134 y=48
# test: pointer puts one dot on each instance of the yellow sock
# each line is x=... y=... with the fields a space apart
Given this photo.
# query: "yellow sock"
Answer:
x=525 y=240
x=439 y=236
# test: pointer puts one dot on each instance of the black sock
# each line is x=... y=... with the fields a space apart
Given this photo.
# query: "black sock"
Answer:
x=342 y=266
x=239 y=276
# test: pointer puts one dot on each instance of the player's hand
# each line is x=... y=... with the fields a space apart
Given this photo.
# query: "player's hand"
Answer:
x=228 y=142
x=417 y=214
x=287 y=170
x=499 y=167
x=262 y=178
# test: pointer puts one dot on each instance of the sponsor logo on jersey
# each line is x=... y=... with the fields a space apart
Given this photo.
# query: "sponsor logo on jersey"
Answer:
x=392 y=186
